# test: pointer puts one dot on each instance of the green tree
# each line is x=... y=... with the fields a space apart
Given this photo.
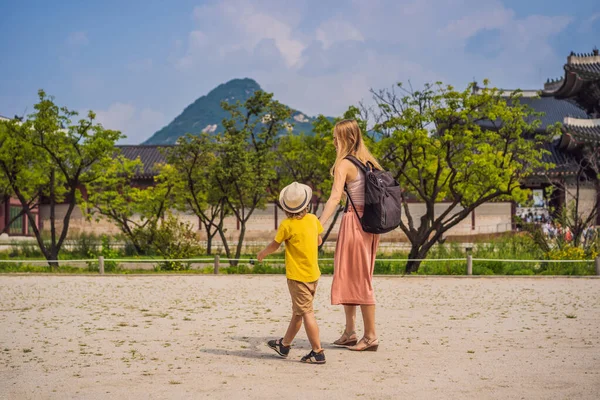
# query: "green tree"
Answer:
x=308 y=159
x=192 y=171
x=131 y=208
x=50 y=155
x=246 y=162
x=461 y=147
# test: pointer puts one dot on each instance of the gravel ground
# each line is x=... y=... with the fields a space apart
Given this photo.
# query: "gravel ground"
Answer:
x=159 y=337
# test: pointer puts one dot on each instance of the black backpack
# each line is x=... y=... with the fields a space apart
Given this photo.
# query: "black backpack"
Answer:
x=383 y=199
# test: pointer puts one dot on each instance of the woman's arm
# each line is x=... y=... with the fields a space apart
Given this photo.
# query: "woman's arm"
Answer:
x=339 y=180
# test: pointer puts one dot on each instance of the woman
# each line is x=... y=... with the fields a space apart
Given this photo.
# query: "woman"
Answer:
x=355 y=250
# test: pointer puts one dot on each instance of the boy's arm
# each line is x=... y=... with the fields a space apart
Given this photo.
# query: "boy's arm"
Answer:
x=271 y=248
x=320 y=240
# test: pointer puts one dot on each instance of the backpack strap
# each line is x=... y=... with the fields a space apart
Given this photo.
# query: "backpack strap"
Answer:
x=357 y=163
x=363 y=168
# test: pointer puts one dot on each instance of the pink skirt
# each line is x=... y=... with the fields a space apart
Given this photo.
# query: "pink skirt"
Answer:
x=353 y=264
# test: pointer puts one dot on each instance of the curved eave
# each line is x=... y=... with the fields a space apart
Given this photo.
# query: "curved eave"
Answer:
x=577 y=132
x=571 y=85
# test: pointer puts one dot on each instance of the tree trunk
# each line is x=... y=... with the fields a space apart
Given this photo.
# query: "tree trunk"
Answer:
x=53 y=256
x=415 y=253
x=224 y=241
x=209 y=237
x=209 y=245
x=240 y=243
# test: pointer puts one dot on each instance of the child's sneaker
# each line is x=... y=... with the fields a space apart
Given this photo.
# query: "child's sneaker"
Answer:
x=314 y=358
x=279 y=347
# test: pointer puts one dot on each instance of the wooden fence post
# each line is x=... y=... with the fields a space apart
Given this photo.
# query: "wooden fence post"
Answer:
x=598 y=265
x=216 y=270
x=101 y=265
x=469 y=264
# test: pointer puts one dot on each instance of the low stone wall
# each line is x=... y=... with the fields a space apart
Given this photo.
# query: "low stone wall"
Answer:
x=488 y=218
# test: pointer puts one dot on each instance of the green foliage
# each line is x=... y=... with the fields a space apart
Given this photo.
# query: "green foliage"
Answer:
x=258 y=268
x=113 y=197
x=434 y=142
x=172 y=239
x=191 y=172
x=84 y=245
x=246 y=162
x=24 y=250
x=50 y=155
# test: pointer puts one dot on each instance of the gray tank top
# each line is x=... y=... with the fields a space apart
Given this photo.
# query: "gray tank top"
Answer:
x=356 y=189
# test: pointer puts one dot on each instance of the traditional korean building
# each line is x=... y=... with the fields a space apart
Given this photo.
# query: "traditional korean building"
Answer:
x=574 y=101
x=150 y=156
x=12 y=220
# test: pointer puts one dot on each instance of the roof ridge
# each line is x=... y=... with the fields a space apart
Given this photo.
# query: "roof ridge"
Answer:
x=582 y=122
x=584 y=58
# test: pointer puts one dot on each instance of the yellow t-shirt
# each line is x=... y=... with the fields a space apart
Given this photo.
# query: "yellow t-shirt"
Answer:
x=301 y=237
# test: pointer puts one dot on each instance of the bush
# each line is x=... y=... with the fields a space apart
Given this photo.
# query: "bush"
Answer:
x=481 y=270
x=85 y=245
x=108 y=253
x=172 y=239
x=27 y=249
x=442 y=268
x=523 y=272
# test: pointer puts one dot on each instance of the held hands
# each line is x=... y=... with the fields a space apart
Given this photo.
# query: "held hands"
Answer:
x=261 y=256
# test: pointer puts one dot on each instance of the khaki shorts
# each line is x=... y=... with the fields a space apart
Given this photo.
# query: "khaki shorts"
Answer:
x=303 y=294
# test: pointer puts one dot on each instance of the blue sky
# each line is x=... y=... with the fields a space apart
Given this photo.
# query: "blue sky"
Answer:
x=137 y=64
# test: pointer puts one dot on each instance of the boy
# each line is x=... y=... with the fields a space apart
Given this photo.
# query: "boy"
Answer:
x=301 y=234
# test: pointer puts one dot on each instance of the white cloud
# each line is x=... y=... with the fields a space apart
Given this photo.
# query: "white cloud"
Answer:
x=137 y=125
x=322 y=62
x=467 y=26
x=78 y=39
x=242 y=25
x=336 y=30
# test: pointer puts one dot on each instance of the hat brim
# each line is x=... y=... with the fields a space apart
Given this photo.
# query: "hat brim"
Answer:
x=302 y=206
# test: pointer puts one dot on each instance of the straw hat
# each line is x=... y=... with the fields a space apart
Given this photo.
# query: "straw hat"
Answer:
x=295 y=197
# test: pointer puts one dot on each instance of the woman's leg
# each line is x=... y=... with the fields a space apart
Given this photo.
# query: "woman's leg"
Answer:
x=350 y=312
x=368 y=314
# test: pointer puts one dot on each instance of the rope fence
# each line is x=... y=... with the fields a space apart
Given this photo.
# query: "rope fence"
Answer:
x=217 y=260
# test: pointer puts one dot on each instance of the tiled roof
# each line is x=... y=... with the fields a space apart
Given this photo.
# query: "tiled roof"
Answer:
x=150 y=155
x=583 y=130
x=553 y=110
x=565 y=163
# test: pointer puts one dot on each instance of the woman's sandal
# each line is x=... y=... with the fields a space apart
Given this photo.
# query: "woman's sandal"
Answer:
x=347 y=339
x=365 y=344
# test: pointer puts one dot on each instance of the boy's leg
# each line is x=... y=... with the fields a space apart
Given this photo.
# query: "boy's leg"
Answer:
x=292 y=330
x=312 y=330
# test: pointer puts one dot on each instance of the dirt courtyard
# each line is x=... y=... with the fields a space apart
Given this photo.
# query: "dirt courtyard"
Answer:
x=185 y=337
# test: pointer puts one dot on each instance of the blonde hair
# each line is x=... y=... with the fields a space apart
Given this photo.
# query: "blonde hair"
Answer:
x=350 y=143
x=298 y=215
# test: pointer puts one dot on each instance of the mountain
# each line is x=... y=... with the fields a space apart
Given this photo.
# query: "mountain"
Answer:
x=205 y=114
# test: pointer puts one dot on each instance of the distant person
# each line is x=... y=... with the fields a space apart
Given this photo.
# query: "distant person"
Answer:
x=301 y=233
x=356 y=249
